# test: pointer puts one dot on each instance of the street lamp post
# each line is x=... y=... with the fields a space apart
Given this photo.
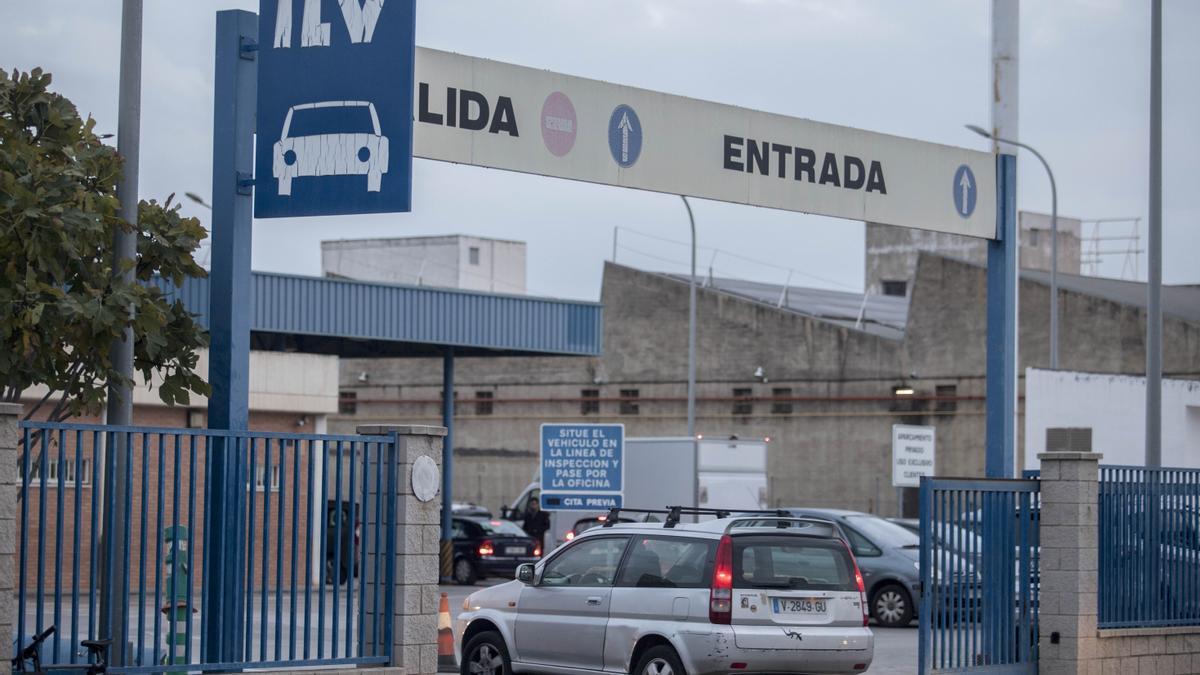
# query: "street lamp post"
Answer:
x=691 y=387
x=1053 y=240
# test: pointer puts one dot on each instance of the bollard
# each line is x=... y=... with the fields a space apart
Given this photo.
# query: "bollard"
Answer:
x=179 y=588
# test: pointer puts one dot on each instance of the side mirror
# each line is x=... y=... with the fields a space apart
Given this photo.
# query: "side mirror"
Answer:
x=525 y=574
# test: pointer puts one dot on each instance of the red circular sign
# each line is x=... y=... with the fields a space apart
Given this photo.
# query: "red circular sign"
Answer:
x=558 y=124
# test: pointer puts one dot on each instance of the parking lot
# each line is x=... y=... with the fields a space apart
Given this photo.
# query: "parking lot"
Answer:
x=895 y=648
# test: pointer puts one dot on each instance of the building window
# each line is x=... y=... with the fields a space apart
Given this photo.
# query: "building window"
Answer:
x=590 y=405
x=1033 y=238
x=944 y=392
x=473 y=255
x=483 y=403
x=629 y=404
x=348 y=402
x=895 y=288
x=779 y=407
x=55 y=469
x=905 y=399
x=260 y=478
x=742 y=403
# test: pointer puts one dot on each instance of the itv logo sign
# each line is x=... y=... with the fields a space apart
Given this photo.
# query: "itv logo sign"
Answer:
x=334 y=123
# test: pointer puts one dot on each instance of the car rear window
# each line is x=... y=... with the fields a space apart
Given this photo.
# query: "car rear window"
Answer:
x=792 y=562
x=500 y=527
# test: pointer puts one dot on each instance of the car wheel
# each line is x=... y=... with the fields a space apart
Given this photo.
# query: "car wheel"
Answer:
x=892 y=606
x=485 y=654
x=464 y=572
x=660 y=660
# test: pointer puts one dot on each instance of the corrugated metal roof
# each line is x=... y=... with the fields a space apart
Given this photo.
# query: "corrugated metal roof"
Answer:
x=882 y=315
x=340 y=310
x=1180 y=301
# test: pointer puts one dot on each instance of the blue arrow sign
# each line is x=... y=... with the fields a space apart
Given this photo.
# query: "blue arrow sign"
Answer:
x=965 y=190
x=624 y=136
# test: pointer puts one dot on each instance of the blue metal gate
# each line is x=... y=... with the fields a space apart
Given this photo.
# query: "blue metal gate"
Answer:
x=979 y=576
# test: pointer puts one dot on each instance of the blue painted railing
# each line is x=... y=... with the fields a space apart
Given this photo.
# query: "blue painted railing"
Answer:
x=316 y=541
x=1149 y=558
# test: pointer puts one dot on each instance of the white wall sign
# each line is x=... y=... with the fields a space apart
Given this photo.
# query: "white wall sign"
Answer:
x=486 y=113
x=912 y=454
x=426 y=478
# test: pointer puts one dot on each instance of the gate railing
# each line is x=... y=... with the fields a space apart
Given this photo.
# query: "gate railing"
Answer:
x=1149 y=559
x=317 y=544
x=979 y=575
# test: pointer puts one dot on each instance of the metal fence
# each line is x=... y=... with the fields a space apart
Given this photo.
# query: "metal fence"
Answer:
x=314 y=534
x=1149 y=557
x=979 y=575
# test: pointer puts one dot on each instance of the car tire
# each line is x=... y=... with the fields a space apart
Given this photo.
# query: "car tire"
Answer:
x=660 y=660
x=464 y=572
x=891 y=606
x=484 y=650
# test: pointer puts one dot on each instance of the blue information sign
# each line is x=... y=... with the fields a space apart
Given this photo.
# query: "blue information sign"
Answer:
x=334 y=121
x=624 y=136
x=583 y=466
x=965 y=190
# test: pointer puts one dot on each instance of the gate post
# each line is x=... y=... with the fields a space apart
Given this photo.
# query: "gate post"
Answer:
x=411 y=627
x=9 y=414
x=1067 y=609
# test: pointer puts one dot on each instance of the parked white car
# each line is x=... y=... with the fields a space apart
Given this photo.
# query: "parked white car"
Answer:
x=330 y=138
x=721 y=597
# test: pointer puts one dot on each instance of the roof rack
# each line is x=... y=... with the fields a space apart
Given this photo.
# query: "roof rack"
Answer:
x=674 y=513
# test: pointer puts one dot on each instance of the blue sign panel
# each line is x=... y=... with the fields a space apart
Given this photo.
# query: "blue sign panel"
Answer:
x=583 y=466
x=624 y=136
x=334 y=123
x=964 y=191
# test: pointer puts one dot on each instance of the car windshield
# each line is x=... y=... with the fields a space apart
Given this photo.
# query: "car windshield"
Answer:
x=341 y=119
x=793 y=563
x=499 y=527
x=884 y=532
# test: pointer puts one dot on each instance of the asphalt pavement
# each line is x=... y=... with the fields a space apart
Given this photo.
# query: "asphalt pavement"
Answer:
x=895 y=648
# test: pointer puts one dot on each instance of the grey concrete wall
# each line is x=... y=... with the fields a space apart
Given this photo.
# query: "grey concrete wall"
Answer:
x=9 y=415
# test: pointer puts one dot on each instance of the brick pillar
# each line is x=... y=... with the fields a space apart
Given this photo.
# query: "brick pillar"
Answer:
x=415 y=595
x=1067 y=608
x=9 y=414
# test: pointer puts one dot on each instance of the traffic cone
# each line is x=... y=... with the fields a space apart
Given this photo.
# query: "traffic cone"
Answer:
x=446 y=662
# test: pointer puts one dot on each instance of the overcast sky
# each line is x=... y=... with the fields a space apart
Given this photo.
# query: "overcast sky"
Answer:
x=917 y=69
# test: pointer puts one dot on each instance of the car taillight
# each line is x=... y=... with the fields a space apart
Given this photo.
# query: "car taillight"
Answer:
x=720 y=595
x=537 y=551
x=570 y=535
x=486 y=548
x=862 y=587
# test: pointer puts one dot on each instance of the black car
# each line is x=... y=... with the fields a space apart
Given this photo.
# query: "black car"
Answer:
x=486 y=547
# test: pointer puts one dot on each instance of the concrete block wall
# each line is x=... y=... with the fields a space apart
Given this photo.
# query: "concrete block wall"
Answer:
x=1070 y=640
x=9 y=415
x=414 y=593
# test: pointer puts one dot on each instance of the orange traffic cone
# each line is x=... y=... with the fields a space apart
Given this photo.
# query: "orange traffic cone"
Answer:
x=446 y=662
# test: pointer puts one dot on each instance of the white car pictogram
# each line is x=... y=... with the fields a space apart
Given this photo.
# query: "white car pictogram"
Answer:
x=349 y=143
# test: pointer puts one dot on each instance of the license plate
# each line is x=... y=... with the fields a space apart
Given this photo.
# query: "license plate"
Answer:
x=799 y=605
x=514 y=550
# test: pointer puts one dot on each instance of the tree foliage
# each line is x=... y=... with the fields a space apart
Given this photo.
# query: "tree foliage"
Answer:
x=62 y=303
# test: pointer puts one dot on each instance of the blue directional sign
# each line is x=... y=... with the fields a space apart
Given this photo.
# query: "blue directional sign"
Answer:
x=965 y=190
x=583 y=466
x=624 y=135
x=334 y=122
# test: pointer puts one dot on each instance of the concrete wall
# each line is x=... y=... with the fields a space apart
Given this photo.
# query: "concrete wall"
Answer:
x=444 y=262
x=1114 y=408
x=892 y=252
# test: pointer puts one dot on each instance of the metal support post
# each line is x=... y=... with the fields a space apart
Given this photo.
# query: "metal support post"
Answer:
x=115 y=609
x=691 y=386
x=1002 y=325
x=447 y=546
x=1154 y=250
x=229 y=324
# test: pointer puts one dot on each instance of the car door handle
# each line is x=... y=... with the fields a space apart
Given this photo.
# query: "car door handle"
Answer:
x=593 y=600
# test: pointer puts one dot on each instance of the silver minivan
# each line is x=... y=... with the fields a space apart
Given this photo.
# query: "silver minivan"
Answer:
x=726 y=596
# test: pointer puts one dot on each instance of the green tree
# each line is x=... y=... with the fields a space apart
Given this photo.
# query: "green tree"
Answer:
x=61 y=301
